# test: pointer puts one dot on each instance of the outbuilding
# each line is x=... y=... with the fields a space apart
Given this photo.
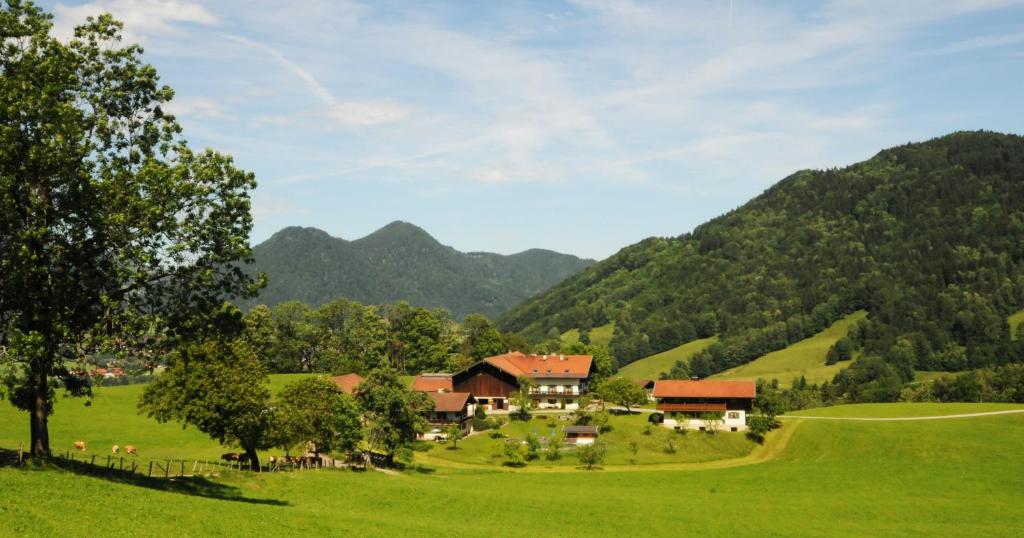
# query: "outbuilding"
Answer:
x=580 y=435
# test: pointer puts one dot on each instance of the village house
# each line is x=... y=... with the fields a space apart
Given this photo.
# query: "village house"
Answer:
x=558 y=380
x=432 y=383
x=347 y=383
x=684 y=402
x=580 y=434
x=449 y=407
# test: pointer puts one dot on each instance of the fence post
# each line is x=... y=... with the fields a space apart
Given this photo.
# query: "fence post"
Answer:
x=121 y=466
x=182 y=468
x=151 y=469
x=167 y=468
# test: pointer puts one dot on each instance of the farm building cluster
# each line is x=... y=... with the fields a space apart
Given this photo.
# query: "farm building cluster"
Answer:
x=558 y=382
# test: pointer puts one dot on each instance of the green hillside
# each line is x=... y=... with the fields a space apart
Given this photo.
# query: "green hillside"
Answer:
x=402 y=262
x=1015 y=322
x=652 y=367
x=788 y=488
x=926 y=237
x=598 y=335
x=804 y=358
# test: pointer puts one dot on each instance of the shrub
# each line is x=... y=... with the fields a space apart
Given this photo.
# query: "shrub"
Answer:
x=591 y=455
x=648 y=430
x=670 y=445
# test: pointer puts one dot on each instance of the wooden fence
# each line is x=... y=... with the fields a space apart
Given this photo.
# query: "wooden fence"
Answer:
x=181 y=468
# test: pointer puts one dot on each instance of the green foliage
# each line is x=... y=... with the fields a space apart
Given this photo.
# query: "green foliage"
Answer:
x=403 y=262
x=759 y=426
x=392 y=413
x=622 y=391
x=312 y=410
x=480 y=338
x=522 y=399
x=925 y=237
x=454 y=433
x=712 y=420
x=220 y=389
x=109 y=222
x=604 y=364
x=591 y=455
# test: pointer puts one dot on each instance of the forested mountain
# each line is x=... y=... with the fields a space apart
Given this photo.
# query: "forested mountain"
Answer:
x=402 y=262
x=927 y=237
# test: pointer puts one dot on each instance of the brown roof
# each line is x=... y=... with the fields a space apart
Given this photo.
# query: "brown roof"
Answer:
x=450 y=402
x=589 y=429
x=432 y=383
x=519 y=364
x=681 y=388
x=347 y=383
x=646 y=383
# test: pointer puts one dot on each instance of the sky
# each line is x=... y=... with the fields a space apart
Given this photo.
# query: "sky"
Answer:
x=580 y=126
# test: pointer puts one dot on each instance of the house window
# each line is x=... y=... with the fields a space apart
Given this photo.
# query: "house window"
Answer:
x=734 y=415
x=568 y=401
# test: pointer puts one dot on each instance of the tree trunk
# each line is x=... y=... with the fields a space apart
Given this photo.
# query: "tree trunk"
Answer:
x=37 y=417
x=254 y=459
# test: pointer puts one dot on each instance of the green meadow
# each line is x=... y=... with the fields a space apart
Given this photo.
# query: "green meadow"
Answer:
x=1015 y=322
x=960 y=477
x=652 y=367
x=804 y=358
x=598 y=335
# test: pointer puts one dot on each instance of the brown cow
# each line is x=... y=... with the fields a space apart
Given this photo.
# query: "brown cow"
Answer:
x=115 y=449
x=129 y=449
x=80 y=445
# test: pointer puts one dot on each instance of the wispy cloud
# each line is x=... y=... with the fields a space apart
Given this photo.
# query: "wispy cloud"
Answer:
x=143 y=19
x=979 y=43
x=198 y=107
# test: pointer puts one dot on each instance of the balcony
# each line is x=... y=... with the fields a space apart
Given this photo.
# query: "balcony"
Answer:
x=539 y=392
x=693 y=407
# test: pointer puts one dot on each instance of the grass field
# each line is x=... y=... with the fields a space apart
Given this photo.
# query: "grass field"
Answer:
x=598 y=335
x=961 y=477
x=903 y=409
x=1015 y=322
x=804 y=358
x=693 y=447
x=653 y=366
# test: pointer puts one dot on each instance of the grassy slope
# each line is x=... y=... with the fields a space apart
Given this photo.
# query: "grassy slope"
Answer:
x=948 y=478
x=694 y=447
x=598 y=335
x=806 y=357
x=652 y=367
x=1015 y=320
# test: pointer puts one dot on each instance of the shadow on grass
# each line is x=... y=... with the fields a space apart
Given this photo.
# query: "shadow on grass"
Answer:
x=194 y=486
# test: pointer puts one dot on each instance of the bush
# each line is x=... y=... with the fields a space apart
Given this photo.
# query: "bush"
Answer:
x=481 y=425
x=759 y=427
x=670 y=445
x=648 y=430
x=591 y=455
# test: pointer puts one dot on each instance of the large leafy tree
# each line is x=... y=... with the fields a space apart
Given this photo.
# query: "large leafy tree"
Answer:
x=220 y=388
x=105 y=212
x=481 y=338
x=312 y=410
x=622 y=391
x=393 y=414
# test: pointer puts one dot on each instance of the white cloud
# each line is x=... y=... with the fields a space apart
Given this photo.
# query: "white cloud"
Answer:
x=142 y=18
x=364 y=113
x=197 y=107
x=979 y=43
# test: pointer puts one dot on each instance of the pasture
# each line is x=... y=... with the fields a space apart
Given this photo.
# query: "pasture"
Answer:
x=1015 y=321
x=961 y=477
x=804 y=358
x=652 y=367
x=598 y=335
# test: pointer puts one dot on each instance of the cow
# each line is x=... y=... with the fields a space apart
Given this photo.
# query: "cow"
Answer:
x=231 y=456
x=80 y=445
x=129 y=449
x=115 y=449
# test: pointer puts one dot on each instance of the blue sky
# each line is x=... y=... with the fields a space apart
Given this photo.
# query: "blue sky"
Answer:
x=579 y=126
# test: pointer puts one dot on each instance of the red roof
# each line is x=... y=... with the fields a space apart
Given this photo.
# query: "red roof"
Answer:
x=681 y=388
x=450 y=402
x=347 y=383
x=432 y=383
x=519 y=364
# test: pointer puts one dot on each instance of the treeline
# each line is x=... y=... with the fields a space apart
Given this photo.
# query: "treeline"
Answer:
x=346 y=336
x=872 y=381
x=927 y=238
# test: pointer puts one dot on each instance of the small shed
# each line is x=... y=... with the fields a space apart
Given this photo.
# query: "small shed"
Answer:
x=580 y=435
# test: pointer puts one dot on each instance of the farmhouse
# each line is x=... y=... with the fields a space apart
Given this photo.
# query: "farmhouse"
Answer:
x=685 y=402
x=580 y=435
x=432 y=383
x=347 y=383
x=558 y=380
x=449 y=408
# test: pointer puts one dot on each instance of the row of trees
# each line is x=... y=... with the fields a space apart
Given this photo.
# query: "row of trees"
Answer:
x=220 y=387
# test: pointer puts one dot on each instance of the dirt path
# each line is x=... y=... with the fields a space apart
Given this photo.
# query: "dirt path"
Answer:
x=897 y=419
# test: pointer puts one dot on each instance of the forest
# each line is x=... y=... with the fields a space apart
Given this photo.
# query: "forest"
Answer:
x=928 y=238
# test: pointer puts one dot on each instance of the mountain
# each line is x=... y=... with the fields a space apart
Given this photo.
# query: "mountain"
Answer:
x=403 y=262
x=928 y=238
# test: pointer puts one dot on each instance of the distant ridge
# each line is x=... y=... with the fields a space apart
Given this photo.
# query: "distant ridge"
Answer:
x=402 y=262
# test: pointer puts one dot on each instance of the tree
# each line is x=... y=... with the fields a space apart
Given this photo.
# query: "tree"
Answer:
x=298 y=338
x=480 y=338
x=712 y=420
x=591 y=455
x=522 y=398
x=220 y=388
x=515 y=451
x=393 y=414
x=454 y=433
x=105 y=212
x=622 y=391
x=312 y=410
x=604 y=363
x=768 y=401
x=759 y=427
